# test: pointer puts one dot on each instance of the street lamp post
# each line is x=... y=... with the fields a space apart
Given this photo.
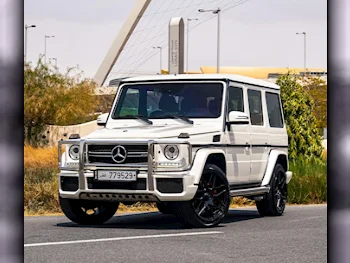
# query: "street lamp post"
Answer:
x=46 y=37
x=25 y=41
x=304 y=33
x=188 y=36
x=160 y=53
x=216 y=11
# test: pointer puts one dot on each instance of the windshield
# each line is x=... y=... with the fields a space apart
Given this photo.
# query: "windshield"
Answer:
x=164 y=100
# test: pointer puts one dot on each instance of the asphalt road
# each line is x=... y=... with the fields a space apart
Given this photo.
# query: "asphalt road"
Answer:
x=300 y=235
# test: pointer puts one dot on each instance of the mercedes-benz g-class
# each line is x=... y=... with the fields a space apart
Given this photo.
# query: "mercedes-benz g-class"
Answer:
x=186 y=142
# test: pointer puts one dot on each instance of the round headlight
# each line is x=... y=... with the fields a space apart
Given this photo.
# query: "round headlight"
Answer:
x=171 y=152
x=74 y=152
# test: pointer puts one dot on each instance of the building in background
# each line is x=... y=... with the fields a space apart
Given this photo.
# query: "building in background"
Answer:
x=269 y=74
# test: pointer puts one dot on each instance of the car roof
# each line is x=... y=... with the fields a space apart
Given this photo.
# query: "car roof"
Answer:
x=232 y=77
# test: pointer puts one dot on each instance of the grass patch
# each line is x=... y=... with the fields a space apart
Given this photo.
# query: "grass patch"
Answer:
x=41 y=190
x=308 y=184
x=40 y=157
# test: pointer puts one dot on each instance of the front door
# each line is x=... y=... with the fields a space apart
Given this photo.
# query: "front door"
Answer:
x=237 y=139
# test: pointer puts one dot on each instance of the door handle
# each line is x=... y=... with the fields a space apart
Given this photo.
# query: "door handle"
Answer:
x=247 y=147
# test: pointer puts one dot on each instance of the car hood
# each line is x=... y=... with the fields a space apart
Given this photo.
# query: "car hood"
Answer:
x=151 y=131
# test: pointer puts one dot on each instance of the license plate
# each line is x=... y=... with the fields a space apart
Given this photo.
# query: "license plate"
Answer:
x=105 y=175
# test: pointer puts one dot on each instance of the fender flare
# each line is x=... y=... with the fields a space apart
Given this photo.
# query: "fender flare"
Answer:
x=271 y=162
x=199 y=161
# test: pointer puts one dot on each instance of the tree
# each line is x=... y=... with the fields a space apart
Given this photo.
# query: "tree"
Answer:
x=104 y=103
x=54 y=98
x=304 y=139
x=317 y=89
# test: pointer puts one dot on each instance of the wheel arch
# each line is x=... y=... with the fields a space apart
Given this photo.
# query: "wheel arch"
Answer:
x=283 y=160
x=275 y=157
x=202 y=157
x=218 y=159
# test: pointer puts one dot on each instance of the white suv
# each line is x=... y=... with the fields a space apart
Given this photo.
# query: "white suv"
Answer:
x=186 y=142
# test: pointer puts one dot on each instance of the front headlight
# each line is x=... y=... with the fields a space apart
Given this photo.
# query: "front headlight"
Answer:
x=74 y=152
x=171 y=152
x=171 y=157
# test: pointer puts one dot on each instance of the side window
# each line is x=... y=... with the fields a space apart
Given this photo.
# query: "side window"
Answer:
x=235 y=99
x=274 y=110
x=255 y=107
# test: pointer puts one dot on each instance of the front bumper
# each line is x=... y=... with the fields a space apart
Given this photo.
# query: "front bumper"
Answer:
x=152 y=190
x=188 y=190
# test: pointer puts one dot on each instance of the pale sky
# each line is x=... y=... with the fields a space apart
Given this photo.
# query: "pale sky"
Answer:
x=259 y=33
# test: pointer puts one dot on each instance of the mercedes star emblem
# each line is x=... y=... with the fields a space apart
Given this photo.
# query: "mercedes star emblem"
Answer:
x=119 y=154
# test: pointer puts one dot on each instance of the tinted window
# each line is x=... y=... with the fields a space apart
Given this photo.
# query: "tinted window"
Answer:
x=235 y=99
x=159 y=101
x=255 y=107
x=274 y=110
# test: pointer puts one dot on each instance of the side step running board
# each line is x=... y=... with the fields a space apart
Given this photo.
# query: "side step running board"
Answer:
x=250 y=191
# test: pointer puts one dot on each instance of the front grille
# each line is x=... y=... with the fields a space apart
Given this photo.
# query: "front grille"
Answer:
x=173 y=185
x=136 y=154
x=139 y=184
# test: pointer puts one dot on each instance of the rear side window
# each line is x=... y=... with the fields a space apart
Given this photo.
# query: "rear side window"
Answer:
x=274 y=110
x=255 y=107
x=235 y=99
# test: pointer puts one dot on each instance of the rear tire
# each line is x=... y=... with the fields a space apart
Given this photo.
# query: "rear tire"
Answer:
x=87 y=212
x=275 y=201
x=211 y=202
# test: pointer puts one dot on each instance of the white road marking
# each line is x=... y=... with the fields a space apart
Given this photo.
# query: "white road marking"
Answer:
x=120 y=238
x=307 y=218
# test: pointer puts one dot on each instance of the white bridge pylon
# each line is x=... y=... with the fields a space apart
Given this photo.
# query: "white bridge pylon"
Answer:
x=120 y=41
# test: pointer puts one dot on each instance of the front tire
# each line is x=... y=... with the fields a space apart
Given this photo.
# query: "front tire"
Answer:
x=87 y=212
x=164 y=208
x=275 y=201
x=211 y=202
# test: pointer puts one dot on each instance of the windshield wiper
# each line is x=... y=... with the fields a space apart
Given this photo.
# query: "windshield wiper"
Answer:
x=141 y=118
x=178 y=117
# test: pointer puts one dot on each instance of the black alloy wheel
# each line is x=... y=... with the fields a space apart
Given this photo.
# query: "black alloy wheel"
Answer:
x=280 y=191
x=274 y=203
x=211 y=202
x=212 y=197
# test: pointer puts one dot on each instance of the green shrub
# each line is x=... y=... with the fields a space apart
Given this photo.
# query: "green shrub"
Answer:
x=298 y=107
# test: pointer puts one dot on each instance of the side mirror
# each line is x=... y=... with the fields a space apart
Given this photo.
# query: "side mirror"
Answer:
x=102 y=119
x=237 y=117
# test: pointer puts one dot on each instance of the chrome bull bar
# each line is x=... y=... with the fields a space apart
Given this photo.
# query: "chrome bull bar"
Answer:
x=86 y=166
